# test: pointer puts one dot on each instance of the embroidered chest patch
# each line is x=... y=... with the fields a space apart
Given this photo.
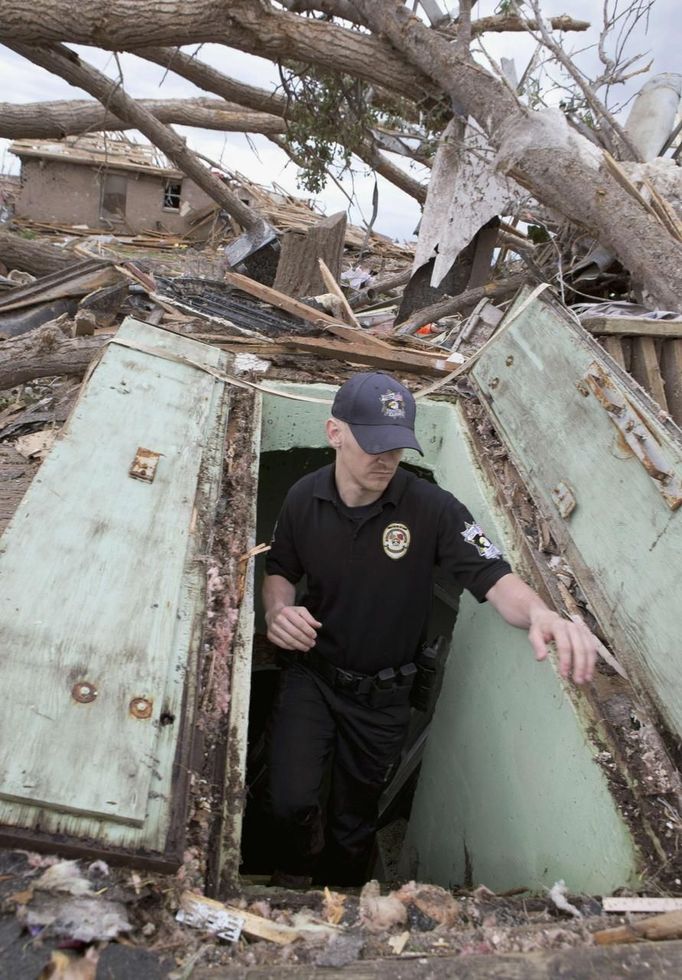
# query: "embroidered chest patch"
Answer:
x=473 y=534
x=396 y=540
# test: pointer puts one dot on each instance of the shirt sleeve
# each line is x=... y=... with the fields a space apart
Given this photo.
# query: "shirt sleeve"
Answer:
x=283 y=558
x=465 y=551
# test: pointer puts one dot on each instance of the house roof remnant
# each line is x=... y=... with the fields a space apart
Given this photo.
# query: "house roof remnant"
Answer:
x=110 y=150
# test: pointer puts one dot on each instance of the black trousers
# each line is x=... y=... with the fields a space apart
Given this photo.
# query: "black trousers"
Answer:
x=322 y=738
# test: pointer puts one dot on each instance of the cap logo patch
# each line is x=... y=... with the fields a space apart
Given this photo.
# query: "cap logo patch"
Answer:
x=396 y=540
x=473 y=534
x=393 y=405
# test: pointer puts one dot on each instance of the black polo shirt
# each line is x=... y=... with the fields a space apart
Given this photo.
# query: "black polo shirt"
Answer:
x=370 y=569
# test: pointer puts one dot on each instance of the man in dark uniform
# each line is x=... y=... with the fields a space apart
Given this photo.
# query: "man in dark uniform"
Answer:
x=367 y=535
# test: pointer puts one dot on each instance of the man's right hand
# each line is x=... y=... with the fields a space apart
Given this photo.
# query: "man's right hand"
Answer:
x=292 y=628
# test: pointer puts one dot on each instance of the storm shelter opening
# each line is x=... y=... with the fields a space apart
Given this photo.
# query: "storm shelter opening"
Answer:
x=278 y=471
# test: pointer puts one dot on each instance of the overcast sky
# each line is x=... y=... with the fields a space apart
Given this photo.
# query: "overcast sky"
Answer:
x=21 y=81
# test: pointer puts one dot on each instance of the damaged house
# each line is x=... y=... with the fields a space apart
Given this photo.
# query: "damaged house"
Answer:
x=104 y=183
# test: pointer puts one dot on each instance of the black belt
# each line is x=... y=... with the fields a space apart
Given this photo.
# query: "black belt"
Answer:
x=354 y=683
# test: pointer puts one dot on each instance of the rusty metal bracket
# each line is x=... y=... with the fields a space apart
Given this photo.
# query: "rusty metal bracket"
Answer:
x=564 y=499
x=144 y=465
x=642 y=442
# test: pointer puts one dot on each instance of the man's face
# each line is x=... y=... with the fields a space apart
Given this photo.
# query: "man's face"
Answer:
x=369 y=473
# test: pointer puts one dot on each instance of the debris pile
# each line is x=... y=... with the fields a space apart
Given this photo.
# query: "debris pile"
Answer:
x=83 y=918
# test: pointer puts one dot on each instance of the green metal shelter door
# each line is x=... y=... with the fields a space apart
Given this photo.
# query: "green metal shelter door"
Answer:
x=101 y=594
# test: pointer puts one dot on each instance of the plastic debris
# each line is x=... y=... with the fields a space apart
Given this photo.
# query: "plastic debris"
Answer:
x=86 y=920
x=558 y=893
x=66 y=877
x=380 y=912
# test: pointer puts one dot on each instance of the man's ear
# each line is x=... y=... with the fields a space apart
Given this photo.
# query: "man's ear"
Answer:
x=334 y=433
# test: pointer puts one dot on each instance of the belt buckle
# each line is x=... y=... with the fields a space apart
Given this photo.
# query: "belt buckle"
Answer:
x=344 y=678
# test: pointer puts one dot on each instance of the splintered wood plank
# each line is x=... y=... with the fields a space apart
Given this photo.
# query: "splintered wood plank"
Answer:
x=615 y=348
x=633 y=326
x=362 y=353
x=671 y=369
x=16 y=473
x=645 y=369
x=93 y=604
x=622 y=539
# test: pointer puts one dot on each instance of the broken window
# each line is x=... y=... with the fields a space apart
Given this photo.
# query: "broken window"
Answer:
x=114 y=190
x=171 y=195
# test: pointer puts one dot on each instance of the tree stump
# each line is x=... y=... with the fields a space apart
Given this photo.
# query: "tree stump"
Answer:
x=298 y=271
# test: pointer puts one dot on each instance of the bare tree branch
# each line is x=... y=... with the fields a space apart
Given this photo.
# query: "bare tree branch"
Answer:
x=591 y=98
x=54 y=120
x=212 y=80
x=464 y=25
x=515 y=24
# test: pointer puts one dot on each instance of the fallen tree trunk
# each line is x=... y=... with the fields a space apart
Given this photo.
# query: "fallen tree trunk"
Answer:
x=38 y=258
x=54 y=120
x=247 y=25
x=46 y=353
x=539 y=150
x=563 y=170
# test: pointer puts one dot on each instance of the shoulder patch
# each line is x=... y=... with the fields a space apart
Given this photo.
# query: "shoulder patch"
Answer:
x=473 y=535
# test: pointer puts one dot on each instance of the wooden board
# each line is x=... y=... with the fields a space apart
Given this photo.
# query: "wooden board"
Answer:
x=646 y=961
x=16 y=474
x=614 y=346
x=361 y=353
x=623 y=541
x=98 y=610
x=645 y=369
x=633 y=326
x=671 y=369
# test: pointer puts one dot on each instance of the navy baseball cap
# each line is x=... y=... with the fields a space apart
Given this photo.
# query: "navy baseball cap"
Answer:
x=380 y=412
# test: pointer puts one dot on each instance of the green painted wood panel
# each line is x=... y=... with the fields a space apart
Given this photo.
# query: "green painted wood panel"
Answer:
x=100 y=585
x=622 y=539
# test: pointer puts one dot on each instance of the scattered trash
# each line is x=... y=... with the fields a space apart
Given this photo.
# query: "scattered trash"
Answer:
x=380 y=912
x=399 y=942
x=432 y=901
x=36 y=445
x=203 y=913
x=66 y=877
x=65 y=966
x=84 y=919
x=558 y=893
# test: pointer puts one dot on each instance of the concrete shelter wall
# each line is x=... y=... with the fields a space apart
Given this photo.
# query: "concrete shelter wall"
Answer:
x=510 y=794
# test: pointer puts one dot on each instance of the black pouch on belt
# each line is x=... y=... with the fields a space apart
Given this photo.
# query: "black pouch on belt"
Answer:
x=430 y=664
x=382 y=693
